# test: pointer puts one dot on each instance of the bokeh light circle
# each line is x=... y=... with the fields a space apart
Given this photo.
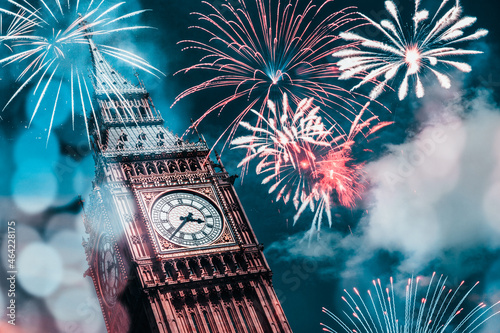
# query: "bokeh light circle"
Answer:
x=25 y=235
x=40 y=269
x=32 y=145
x=34 y=188
x=69 y=246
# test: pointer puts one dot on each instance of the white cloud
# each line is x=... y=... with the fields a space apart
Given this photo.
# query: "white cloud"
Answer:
x=440 y=191
x=434 y=201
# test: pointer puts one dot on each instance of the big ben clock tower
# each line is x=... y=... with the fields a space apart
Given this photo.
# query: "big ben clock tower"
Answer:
x=170 y=248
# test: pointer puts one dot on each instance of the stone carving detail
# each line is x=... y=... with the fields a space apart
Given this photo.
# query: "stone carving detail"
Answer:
x=148 y=197
x=128 y=218
x=206 y=191
x=139 y=239
x=225 y=238
x=165 y=245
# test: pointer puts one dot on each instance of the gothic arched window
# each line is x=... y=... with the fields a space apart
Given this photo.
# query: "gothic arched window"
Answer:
x=172 y=167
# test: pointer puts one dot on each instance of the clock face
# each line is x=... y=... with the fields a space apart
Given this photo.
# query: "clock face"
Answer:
x=186 y=219
x=108 y=270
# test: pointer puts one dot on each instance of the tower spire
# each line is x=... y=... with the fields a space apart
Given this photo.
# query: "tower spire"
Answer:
x=128 y=121
x=107 y=81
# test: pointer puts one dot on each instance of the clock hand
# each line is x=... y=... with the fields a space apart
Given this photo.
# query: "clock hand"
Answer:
x=190 y=218
x=184 y=220
x=198 y=220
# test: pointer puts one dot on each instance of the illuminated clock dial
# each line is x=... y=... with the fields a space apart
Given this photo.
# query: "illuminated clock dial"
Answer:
x=186 y=219
x=108 y=270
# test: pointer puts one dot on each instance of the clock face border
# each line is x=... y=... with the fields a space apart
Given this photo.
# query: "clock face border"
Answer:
x=174 y=205
x=105 y=244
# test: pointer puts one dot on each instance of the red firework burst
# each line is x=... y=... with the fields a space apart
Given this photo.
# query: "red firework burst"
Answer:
x=262 y=51
x=337 y=180
x=305 y=161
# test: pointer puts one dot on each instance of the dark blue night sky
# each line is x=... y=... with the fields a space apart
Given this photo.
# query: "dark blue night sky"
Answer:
x=431 y=205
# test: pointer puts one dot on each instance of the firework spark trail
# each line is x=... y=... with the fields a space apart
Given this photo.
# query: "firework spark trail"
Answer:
x=305 y=161
x=429 y=45
x=262 y=52
x=337 y=179
x=443 y=311
x=44 y=40
x=284 y=144
x=19 y=28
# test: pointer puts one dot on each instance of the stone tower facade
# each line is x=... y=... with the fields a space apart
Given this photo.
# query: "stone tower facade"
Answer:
x=170 y=248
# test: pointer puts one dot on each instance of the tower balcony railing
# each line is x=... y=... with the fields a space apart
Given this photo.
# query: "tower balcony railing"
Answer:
x=131 y=121
x=168 y=149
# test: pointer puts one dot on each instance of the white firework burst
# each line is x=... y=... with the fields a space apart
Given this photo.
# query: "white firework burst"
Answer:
x=430 y=44
x=436 y=309
x=285 y=144
x=46 y=39
x=304 y=160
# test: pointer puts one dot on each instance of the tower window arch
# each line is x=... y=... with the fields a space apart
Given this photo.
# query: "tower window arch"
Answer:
x=172 y=167
x=183 y=166
x=244 y=318
x=207 y=266
x=218 y=265
x=205 y=315
x=194 y=268
x=231 y=319
x=181 y=267
x=195 y=324
x=230 y=263
x=162 y=168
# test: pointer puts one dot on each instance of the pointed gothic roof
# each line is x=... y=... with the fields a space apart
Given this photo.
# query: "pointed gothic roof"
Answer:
x=107 y=81
x=137 y=137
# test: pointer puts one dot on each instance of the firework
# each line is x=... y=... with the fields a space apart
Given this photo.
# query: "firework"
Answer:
x=440 y=310
x=338 y=180
x=305 y=160
x=429 y=45
x=285 y=145
x=19 y=28
x=261 y=50
x=47 y=42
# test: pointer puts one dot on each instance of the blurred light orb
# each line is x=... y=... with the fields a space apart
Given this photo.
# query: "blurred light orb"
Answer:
x=25 y=235
x=73 y=277
x=63 y=305
x=32 y=147
x=40 y=269
x=60 y=222
x=34 y=187
x=69 y=246
x=77 y=310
